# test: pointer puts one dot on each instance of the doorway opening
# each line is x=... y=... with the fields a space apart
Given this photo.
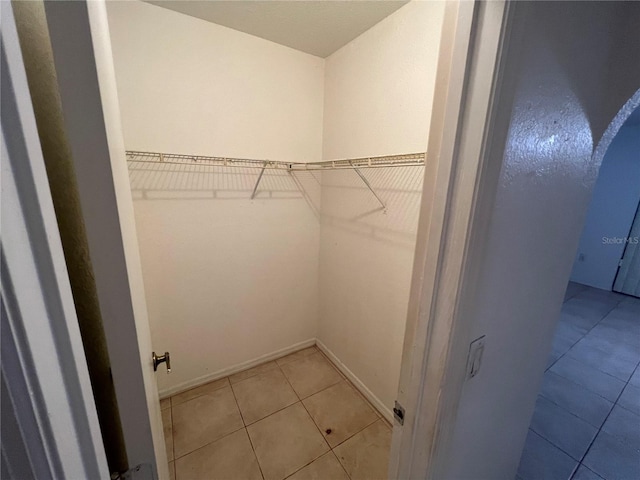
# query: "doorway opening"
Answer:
x=585 y=423
x=276 y=180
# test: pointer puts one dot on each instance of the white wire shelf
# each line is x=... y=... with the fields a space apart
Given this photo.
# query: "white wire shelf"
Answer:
x=385 y=161
x=403 y=160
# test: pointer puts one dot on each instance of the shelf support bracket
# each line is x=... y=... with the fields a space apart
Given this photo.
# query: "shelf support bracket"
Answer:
x=366 y=182
x=255 y=189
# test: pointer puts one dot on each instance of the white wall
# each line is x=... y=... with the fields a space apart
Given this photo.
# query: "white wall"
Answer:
x=572 y=73
x=379 y=87
x=191 y=86
x=227 y=279
x=611 y=212
x=378 y=96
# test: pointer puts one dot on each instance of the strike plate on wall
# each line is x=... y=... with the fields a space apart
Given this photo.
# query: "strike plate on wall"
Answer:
x=476 y=348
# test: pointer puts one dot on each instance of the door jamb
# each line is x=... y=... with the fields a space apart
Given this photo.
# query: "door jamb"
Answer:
x=459 y=189
x=81 y=46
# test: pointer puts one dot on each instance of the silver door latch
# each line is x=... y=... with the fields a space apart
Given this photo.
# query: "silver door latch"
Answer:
x=157 y=360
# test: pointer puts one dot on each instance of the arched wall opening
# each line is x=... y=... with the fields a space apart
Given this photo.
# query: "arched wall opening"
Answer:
x=591 y=381
x=614 y=201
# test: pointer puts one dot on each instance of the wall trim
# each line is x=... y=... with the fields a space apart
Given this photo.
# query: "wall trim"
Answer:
x=378 y=404
x=225 y=372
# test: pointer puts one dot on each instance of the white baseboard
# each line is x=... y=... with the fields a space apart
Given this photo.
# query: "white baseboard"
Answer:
x=384 y=410
x=225 y=372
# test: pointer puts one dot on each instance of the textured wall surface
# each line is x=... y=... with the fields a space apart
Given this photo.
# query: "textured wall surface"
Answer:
x=572 y=76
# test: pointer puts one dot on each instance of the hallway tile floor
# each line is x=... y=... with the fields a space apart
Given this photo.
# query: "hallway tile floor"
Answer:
x=586 y=424
x=296 y=417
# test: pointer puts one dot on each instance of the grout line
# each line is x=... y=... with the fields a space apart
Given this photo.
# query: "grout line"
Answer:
x=251 y=376
x=346 y=380
x=625 y=387
x=288 y=382
x=297 y=359
x=580 y=464
x=173 y=438
x=575 y=415
x=209 y=443
x=584 y=455
x=340 y=463
x=356 y=433
x=308 y=413
x=201 y=394
x=273 y=413
x=300 y=400
x=599 y=429
x=358 y=392
x=310 y=416
x=245 y=423
x=254 y=453
x=583 y=386
x=237 y=405
x=584 y=335
x=307 y=464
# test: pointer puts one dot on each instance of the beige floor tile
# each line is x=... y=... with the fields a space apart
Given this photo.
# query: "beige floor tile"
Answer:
x=365 y=456
x=229 y=458
x=286 y=441
x=165 y=403
x=204 y=419
x=172 y=470
x=168 y=432
x=310 y=374
x=297 y=355
x=263 y=395
x=327 y=467
x=251 y=372
x=339 y=412
x=201 y=390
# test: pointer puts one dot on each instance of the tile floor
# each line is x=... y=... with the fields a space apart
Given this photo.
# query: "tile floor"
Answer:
x=586 y=425
x=296 y=417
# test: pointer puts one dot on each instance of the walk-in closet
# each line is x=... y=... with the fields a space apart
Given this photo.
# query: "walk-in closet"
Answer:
x=276 y=155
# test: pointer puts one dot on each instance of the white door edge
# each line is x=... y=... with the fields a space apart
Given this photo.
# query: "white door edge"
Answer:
x=434 y=356
x=81 y=47
x=47 y=395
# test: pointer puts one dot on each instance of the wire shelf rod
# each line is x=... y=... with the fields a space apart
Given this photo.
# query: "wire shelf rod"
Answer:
x=366 y=182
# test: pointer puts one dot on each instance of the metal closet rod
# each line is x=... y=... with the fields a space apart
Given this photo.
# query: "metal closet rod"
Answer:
x=385 y=161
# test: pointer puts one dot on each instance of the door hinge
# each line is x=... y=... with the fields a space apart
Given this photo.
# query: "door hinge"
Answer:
x=398 y=413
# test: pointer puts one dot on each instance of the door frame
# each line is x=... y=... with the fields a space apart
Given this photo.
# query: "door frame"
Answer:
x=81 y=45
x=50 y=426
x=635 y=225
x=433 y=366
x=459 y=190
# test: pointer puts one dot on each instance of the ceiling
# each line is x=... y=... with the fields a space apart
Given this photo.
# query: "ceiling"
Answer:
x=316 y=27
